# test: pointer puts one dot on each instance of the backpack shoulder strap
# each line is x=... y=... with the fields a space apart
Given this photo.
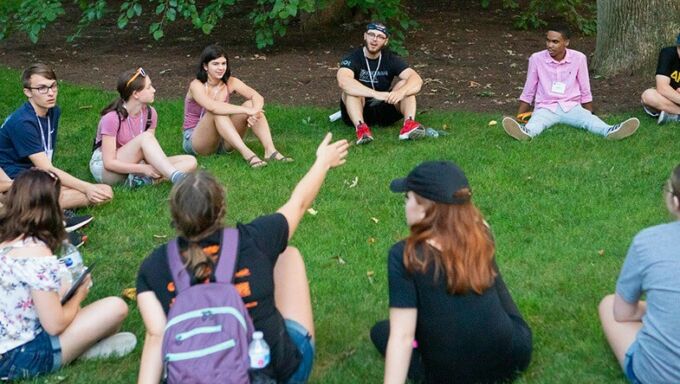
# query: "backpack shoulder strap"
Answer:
x=97 y=144
x=226 y=264
x=148 y=118
x=179 y=274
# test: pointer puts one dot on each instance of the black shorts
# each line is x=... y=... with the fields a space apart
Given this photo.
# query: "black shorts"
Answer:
x=380 y=114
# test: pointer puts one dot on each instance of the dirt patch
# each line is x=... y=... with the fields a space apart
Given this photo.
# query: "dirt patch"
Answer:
x=469 y=58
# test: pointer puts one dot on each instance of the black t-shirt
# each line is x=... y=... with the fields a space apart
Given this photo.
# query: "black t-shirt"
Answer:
x=260 y=243
x=391 y=65
x=669 y=65
x=462 y=338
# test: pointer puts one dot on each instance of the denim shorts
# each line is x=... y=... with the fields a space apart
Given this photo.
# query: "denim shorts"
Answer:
x=628 y=364
x=38 y=356
x=189 y=149
x=186 y=141
x=303 y=341
x=97 y=165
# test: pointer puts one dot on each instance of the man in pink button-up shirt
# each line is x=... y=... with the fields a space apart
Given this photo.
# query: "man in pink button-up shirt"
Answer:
x=559 y=88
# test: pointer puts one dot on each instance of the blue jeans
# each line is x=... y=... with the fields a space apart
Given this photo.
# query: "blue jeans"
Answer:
x=303 y=341
x=628 y=364
x=579 y=117
x=38 y=356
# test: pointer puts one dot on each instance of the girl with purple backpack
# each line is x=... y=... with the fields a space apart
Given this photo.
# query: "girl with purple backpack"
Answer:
x=268 y=274
x=125 y=148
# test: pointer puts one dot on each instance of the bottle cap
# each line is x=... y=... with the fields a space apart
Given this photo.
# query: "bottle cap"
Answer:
x=257 y=335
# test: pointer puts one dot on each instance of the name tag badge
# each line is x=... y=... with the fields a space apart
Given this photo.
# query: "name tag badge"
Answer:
x=49 y=153
x=558 y=87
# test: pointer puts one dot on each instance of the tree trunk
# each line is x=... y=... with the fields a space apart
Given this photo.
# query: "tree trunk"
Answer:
x=631 y=32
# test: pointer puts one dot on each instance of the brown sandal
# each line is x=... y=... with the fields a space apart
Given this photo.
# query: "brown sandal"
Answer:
x=283 y=159
x=256 y=162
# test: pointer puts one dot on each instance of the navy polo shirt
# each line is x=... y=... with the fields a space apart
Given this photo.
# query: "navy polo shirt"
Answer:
x=20 y=137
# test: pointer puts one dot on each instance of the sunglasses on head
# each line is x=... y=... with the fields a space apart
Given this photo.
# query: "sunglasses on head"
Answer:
x=138 y=72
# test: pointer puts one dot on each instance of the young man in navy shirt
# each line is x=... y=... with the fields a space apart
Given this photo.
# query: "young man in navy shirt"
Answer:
x=28 y=138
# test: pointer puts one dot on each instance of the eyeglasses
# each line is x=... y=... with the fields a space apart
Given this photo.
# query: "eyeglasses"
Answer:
x=375 y=36
x=139 y=71
x=44 y=89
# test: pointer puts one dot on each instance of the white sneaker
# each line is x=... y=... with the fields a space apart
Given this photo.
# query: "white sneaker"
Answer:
x=515 y=129
x=117 y=345
x=623 y=130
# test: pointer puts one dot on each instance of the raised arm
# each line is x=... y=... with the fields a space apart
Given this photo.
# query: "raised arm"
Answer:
x=328 y=155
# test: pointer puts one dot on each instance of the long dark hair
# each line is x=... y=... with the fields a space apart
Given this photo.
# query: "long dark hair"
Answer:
x=467 y=248
x=210 y=53
x=32 y=209
x=125 y=89
x=197 y=207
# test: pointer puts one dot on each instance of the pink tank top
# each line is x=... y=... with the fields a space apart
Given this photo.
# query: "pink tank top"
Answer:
x=193 y=112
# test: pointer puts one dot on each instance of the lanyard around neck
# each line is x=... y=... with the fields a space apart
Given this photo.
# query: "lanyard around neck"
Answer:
x=373 y=75
x=47 y=146
x=141 y=127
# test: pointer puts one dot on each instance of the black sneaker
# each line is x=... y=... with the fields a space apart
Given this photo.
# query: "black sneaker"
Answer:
x=73 y=222
x=77 y=238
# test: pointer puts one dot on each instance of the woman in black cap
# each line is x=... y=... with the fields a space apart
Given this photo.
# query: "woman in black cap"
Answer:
x=451 y=315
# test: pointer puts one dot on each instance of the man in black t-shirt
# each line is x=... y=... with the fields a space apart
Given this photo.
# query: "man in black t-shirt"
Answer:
x=664 y=100
x=368 y=96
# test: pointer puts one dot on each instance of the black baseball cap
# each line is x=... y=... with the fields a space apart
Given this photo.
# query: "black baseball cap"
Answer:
x=434 y=180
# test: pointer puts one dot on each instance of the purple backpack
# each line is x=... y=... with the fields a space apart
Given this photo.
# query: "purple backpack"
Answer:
x=209 y=328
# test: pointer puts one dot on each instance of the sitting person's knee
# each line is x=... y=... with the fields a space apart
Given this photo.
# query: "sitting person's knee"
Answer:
x=606 y=305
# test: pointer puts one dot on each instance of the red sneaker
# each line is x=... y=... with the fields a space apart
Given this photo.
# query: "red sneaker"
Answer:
x=412 y=130
x=364 y=134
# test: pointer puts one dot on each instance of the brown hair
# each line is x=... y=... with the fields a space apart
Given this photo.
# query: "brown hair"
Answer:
x=41 y=69
x=466 y=246
x=197 y=207
x=674 y=181
x=32 y=209
x=125 y=89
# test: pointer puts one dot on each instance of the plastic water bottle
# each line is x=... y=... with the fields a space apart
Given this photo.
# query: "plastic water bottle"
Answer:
x=258 y=351
x=72 y=259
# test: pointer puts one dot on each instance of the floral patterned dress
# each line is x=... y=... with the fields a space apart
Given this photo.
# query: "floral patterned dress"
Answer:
x=19 y=321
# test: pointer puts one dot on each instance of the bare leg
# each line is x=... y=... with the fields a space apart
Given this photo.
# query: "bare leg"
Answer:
x=72 y=198
x=145 y=147
x=355 y=108
x=407 y=105
x=620 y=335
x=183 y=163
x=92 y=323
x=206 y=139
x=291 y=289
x=655 y=100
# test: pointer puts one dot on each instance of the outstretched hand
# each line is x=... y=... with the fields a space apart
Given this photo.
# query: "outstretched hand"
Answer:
x=332 y=154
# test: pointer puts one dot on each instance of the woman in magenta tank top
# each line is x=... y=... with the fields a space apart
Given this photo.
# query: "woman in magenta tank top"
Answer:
x=212 y=124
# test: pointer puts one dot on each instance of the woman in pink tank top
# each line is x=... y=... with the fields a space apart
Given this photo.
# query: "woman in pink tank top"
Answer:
x=125 y=148
x=212 y=124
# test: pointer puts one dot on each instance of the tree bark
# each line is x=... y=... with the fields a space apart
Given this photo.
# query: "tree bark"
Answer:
x=631 y=32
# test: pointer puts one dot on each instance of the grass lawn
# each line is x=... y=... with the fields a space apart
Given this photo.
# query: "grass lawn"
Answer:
x=563 y=208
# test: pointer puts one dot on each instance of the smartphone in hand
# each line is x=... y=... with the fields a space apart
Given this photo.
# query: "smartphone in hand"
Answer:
x=79 y=281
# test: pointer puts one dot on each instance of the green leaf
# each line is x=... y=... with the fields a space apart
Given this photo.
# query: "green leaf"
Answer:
x=160 y=8
x=122 y=21
x=171 y=14
x=207 y=28
x=138 y=9
x=158 y=34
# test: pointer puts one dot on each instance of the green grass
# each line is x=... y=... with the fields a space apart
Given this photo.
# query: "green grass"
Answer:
x=553 y=204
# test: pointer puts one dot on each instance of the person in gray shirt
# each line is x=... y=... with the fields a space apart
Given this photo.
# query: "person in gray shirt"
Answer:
x=645 y=335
